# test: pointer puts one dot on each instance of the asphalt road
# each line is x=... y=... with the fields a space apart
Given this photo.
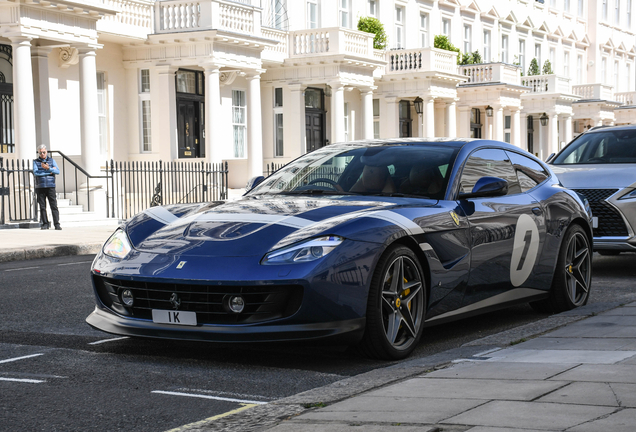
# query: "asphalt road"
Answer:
x=58 y=374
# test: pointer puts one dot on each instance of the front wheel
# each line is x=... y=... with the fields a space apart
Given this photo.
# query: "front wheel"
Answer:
x=573 y=274
x=396 y=305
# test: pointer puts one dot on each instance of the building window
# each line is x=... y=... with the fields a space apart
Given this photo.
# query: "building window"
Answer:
x=399 y=27
x=522 y=55
x=423 y=30
x=566 y=64
x=376 y=118
x=467 y=38
x=446 y=27
x=628 y=75
x=239 y=123
x=405 y=118
x=604 y=10
x=101 y=112
x=278 y=122
x=344 y=13
x=475 y=123
x=616 y=87
x=504 y=49
x=579 y=69
x=507 y=120
x=628 y=14
x=580 y=9
x=144 y=110
x=604 y=70
x=190 y=82
x=487 y=54
x=617 y=11
x=312 y=14
x=346 y=121
x=537 y=54
x=553 y=59
x=373 y=8
x=566 y=5
x=278 y=97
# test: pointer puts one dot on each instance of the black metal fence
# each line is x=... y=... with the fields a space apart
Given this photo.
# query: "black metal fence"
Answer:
x=124 y=189
x=308 y=175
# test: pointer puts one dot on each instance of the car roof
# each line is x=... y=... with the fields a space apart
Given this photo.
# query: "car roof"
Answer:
x=463 y=144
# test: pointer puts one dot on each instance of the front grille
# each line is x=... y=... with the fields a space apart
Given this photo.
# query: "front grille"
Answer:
x=262 y=302
x=610 y=222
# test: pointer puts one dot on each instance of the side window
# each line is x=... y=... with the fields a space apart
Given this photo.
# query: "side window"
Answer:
x=529 y=172
x=488 y=163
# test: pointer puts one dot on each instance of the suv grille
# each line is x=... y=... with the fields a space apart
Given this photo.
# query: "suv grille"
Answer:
x=610 y=222
x=262 y=302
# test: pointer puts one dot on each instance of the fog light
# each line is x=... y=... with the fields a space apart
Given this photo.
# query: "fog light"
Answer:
x=127 y=298
x=236 y=304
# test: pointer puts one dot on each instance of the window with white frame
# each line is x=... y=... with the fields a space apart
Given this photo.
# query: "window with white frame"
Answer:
x=504 y=48
x=446 y=27
x=566 y=5
x=239 y=123
x=579 y=69
x=423 y=30
x=628 y=14
x=102 y=108
x=346 y=121
x=487 y=53
x=628 y=75
x=399 y=27
x=616 y=87
x=468 y=30
x=617 y=11
x=373 y=8
x=312 y=14
x=376 y=118
x=553 y=59
x=604 y=70
x=280 y=14
x=344 y=13
x=580 y=9
x=604 y=10
x=552 y=3
x=537 y=54
x=144 y=110
x=278 y=122
x=522 y=55
x=566 y=64
x=507 y=134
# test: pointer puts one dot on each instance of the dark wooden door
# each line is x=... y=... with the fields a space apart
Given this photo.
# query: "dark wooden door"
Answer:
x=189 y=129
x=315 y=131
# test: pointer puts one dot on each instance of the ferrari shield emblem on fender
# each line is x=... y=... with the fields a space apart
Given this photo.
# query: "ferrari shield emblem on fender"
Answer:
x=181 y=264
x=455 y=217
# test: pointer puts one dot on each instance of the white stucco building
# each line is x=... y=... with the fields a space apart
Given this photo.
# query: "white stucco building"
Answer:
x=255 y=82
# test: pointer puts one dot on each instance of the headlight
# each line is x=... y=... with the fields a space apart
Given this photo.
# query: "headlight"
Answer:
x=309 y=250
x=118 y=245
x=630 y=195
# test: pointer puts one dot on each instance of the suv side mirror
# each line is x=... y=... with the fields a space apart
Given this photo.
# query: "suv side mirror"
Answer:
x=487 y=187
x=253 y=182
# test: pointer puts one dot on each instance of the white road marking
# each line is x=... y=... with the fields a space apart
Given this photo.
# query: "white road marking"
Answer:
x=21 y=268
x=20 y=358
x=107 y=340
x=208 y=397
x=74 y=263
x=32 y=381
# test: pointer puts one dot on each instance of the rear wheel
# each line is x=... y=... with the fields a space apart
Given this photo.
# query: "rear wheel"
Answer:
x=573 y=274
x=396 y=305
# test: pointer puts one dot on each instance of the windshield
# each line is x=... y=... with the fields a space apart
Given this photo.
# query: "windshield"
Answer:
x=604 y=147
x=396 y=170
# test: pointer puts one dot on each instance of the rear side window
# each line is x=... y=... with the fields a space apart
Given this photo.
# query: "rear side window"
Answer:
x=529 y=172
x=488 y=163
x=604 y=147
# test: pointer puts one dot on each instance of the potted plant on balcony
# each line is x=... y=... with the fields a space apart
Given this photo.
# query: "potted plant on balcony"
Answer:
x=442 y=42
x=374 y=26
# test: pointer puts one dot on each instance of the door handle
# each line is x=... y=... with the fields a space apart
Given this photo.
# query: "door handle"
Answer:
x=537 y=211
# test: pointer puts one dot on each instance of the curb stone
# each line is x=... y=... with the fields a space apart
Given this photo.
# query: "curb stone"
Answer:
x=48 y=251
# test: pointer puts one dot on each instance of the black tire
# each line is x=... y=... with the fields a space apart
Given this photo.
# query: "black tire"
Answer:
x=396 y=306
x=572 y=276
x=609 y=252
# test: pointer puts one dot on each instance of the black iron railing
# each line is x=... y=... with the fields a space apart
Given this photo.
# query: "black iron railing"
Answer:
x=17 y=195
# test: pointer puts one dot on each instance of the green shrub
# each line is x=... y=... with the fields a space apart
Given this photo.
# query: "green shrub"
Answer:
x=374 y=26
x=547 y=68
x=442 y=42
x=534 y=67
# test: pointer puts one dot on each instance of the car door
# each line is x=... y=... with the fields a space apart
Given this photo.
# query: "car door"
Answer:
x=505 y=230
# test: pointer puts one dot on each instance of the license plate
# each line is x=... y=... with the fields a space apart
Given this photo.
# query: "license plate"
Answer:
x=174 y=317
x=594 y=222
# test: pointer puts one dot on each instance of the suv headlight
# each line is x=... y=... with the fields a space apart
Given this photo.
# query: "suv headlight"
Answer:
x=118 y=245
x=306 y=251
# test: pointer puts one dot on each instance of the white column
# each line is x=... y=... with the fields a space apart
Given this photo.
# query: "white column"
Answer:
x=24 y=110
x=337 y=112
x=213 y=114
x=553 y=138
x=451 y=120
x=515 y=128
x=429 y=118
x=523 y=143
x=254 y=126
x=89 y=126
x=366 y=95
x=464 y=121
x=167 y=141
x=40 y=66
x=498 y=123
x=568 y=129
x=390 y=123
x=295 y=132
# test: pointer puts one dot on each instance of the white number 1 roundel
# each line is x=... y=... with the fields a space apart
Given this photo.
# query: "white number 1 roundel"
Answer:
x=524 y=251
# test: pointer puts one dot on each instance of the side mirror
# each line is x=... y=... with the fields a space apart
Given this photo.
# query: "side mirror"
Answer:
x=487 y=187
x=550 y=157
x=253 y=182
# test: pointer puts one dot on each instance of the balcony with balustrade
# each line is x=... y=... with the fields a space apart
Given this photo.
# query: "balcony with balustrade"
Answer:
x=134 y=19
x=430 y=60
x=548 y=84
x=596 y=91
x=491 y=73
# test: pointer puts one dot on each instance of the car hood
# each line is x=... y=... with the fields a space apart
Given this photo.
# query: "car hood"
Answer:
x=596 y=176
x=255 y=225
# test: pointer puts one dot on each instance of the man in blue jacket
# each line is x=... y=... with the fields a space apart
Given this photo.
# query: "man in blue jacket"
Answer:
x=45 y=170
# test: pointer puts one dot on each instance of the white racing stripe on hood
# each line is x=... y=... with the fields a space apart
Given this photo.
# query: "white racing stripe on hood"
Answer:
x=290 y=221
x=161 y=214
x=403 y=222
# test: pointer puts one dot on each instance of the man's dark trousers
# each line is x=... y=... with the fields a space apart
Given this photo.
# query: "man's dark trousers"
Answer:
x=43 y=194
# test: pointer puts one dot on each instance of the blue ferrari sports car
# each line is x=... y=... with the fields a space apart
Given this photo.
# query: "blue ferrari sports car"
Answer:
x=366 y=242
